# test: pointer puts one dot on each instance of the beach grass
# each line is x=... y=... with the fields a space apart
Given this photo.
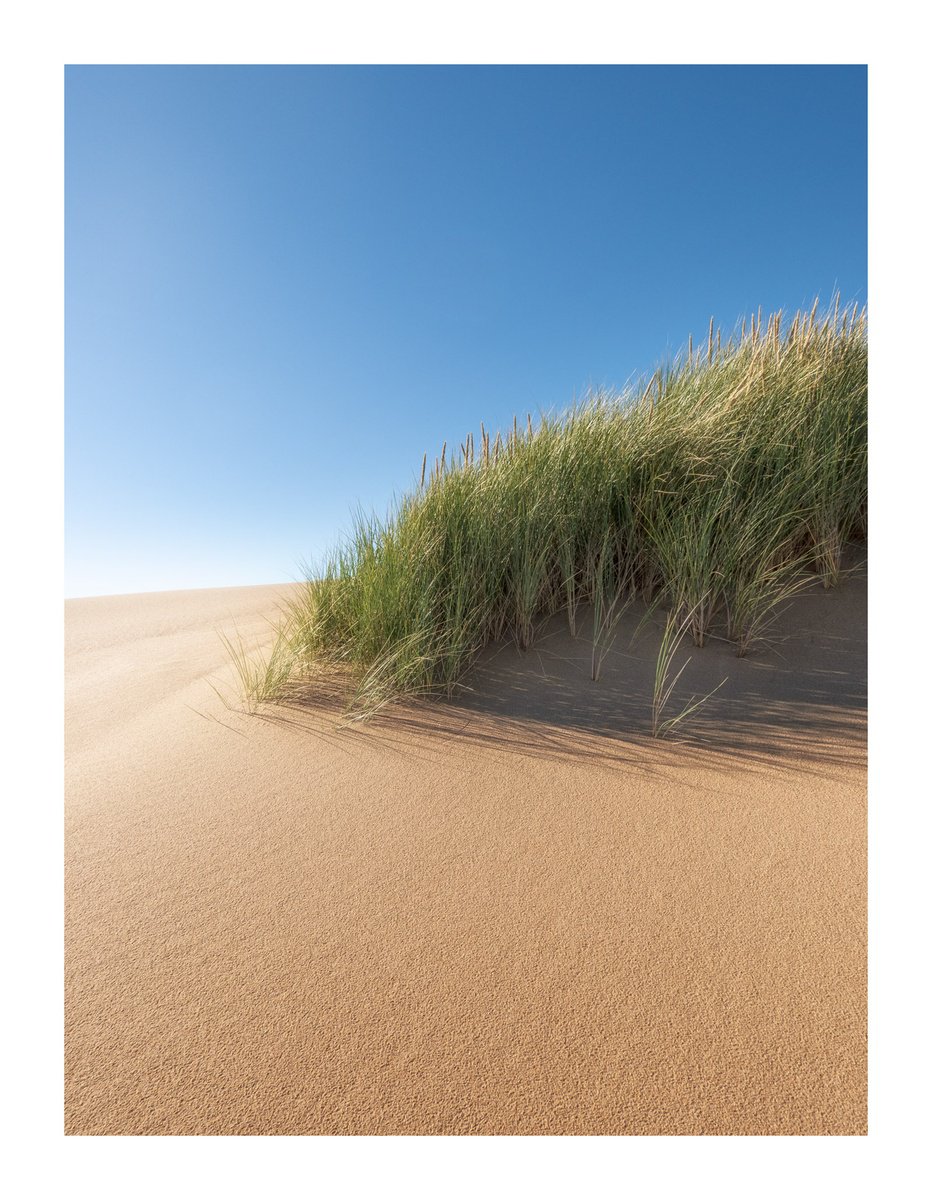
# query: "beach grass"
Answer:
x=717 y=487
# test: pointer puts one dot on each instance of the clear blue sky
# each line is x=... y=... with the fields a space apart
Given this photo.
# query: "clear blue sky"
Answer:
x=284 y=284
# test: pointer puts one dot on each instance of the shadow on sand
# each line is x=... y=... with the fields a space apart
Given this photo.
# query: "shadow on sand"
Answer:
x=799 y=702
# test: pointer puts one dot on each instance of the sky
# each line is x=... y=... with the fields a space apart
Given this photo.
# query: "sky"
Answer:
x=284 y=284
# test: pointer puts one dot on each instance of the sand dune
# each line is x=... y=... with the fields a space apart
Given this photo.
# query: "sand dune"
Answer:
x=512 y=914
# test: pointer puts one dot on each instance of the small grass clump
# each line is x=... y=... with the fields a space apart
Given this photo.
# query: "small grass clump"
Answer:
x=665 y=682
x=716 y=488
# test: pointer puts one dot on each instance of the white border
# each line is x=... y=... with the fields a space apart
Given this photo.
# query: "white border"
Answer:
x=39 y=40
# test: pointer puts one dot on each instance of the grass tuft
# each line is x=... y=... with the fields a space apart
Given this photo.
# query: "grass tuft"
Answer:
x=718 y=486
x=664 y=686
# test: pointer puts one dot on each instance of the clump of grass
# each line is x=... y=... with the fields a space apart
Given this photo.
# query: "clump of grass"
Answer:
x=674 y=632
x=610 y=593
x=263 y=676
x=717 y=486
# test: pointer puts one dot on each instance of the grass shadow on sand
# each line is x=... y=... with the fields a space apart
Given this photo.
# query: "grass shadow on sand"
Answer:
x=800 y=701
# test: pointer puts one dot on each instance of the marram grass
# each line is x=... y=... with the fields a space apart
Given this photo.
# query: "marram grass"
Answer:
x=717 y=487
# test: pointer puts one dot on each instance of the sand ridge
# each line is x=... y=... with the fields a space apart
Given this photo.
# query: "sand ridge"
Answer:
x=514 y=914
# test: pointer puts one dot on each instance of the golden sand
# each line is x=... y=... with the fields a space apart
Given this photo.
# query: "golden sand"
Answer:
x=514 y=914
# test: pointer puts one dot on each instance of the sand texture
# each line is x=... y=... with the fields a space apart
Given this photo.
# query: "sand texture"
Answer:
x=514 y=913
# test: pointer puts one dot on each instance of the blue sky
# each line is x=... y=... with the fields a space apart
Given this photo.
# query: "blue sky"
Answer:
x=284 y=284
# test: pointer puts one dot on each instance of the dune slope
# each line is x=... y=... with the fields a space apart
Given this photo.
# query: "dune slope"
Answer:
x=511 y=914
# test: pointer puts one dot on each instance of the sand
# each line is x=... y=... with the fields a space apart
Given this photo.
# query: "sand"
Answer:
x=511 y=914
